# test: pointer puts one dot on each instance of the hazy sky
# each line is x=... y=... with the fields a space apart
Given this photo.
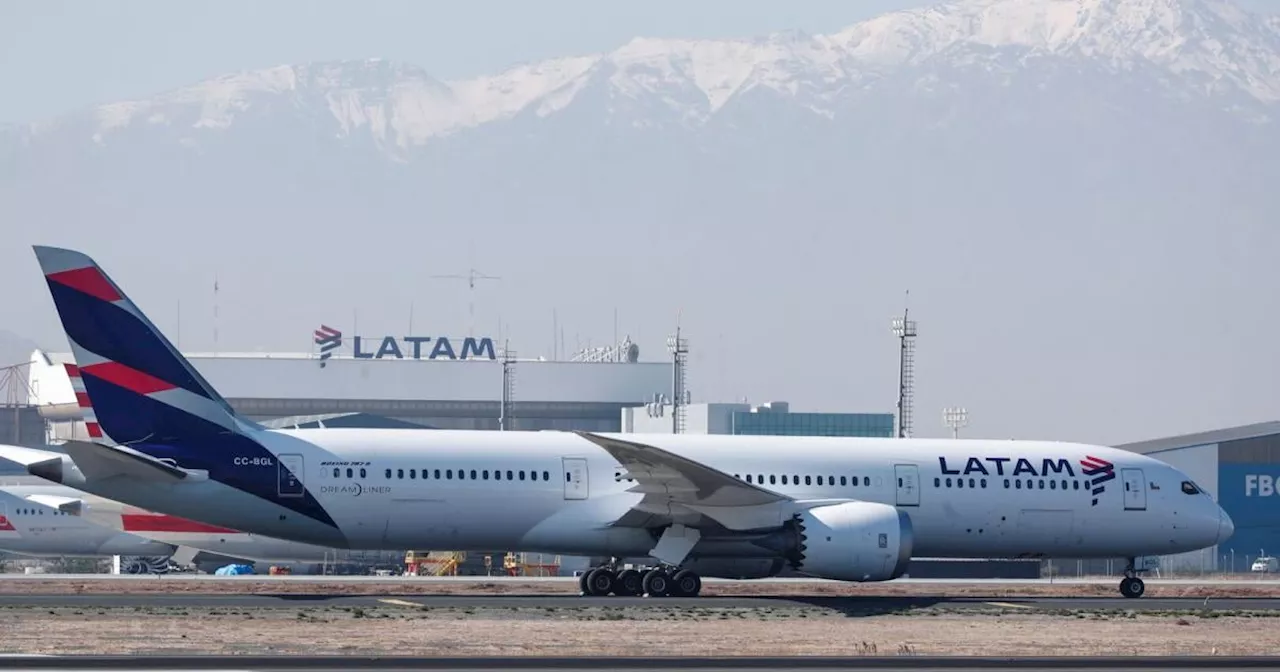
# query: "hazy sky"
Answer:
x=56 y=56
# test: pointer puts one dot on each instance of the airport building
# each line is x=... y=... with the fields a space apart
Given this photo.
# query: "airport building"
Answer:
x=397 y=382
x=769 y=419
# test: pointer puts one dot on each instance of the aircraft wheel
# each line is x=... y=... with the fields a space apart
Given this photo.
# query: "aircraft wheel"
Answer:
x=600 y=582
x=1132 y=587
x=629 y=583
x=657 y=583
x=686 y=584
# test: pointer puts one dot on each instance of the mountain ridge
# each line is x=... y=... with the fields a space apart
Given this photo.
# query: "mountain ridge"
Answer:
x=1208 y=48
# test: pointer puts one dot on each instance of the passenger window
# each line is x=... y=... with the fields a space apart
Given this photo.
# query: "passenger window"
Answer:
x=808 y=480
x=546 y=476
x=959 y=482
x=866 y=480
x=748 y=478
x=948 y=482
x=1006 y=484
x=448 y=474
x=773 y=479
x=972 y=483
x=485 y=474
x=511 y=476
x=399 y=473
x=1053 y=485
x=388 y=473
x=362 y=472
x=337 y=473
x=937 y=482
x=984 y=482
x=349 y=474
x=473 y=474
x=413 y=473
x=844 y=481
x=1017 y=484
x=437 y=474
x=784 y=479
x=819 y=480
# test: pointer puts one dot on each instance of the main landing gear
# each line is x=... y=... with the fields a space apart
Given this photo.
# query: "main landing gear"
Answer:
x=1131 y=585
x=646 y=581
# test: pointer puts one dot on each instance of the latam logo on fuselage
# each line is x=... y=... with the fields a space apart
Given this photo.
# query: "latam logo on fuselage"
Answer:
x=1098 y=470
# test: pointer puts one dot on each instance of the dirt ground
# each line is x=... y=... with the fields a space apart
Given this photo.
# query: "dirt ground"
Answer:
x=431 y=587
x=649 y=632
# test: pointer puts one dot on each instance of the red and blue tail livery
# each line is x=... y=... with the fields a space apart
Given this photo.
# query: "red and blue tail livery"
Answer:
x=144 y=393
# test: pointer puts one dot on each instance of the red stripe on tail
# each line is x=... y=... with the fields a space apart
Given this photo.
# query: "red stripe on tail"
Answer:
x=88 y=280
x=82 y=400
x=72 y=370
x=130 y=379
x=95 y=431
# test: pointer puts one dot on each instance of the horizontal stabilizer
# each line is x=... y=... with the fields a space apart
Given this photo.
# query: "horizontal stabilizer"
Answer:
x=70 y=505
x=97 y=461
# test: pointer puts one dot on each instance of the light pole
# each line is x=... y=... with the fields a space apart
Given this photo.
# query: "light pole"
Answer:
x=955 y=418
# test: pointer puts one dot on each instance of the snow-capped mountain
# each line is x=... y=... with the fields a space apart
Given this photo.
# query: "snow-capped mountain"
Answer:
x=1198 y=48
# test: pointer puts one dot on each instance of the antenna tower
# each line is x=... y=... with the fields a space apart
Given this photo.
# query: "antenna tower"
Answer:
x=955 y=418
x=508 y=387
x=905 y=329
x=679 y=349
x=471 y=277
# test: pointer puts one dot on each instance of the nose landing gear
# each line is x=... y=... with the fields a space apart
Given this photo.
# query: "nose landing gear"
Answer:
x=1131 y=585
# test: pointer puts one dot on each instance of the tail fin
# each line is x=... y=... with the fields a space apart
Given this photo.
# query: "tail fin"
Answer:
x=142 y=388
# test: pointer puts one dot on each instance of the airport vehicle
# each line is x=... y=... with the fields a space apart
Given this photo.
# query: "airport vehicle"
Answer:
x=851 y=509
x=79 y=522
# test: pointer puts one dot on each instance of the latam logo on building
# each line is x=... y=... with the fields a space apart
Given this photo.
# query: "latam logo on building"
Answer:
x=329 y=339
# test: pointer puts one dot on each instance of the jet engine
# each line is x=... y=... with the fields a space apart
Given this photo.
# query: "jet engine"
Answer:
x=854 y=541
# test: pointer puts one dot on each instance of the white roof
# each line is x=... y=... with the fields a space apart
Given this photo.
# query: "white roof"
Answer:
x=300 y=376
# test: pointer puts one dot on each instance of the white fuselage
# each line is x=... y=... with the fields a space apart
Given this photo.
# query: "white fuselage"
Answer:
x=31 y=528
x=105 y=527
x=557 y=492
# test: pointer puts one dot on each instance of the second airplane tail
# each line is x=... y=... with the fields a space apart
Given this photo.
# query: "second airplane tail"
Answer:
x=142 y=389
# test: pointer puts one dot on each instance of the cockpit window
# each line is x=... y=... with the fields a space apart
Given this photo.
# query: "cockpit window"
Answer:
x=1190 y=488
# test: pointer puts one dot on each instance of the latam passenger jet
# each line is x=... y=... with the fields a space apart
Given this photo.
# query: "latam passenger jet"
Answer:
x=850 y=509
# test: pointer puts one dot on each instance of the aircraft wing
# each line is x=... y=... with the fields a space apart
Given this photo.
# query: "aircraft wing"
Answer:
x=684 y=489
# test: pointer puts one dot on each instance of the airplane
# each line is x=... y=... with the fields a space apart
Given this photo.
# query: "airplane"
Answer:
x=847 y=509
x=86 y=524
x=33 y=528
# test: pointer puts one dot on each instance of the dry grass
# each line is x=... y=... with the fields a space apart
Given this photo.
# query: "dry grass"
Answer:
x=409 y=631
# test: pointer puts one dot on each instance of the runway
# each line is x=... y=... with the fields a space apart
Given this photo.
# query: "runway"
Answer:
x=849 y=605
x=744 y=664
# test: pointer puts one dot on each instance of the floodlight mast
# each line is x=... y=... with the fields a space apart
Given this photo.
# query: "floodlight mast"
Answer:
x=955 y=417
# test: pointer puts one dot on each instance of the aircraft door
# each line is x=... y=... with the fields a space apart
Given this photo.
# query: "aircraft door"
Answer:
x=908 y=484
x=1135 y=489
x=289 y=470
x=576 y=485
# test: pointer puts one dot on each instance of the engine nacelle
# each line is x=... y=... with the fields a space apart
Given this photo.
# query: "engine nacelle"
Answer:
x=736 y=568
x=854 y=541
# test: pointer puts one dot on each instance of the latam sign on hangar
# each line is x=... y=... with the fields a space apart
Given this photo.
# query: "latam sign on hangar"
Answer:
x=330 y=339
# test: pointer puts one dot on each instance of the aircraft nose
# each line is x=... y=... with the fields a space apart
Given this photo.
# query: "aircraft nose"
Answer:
x=1225 y=527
